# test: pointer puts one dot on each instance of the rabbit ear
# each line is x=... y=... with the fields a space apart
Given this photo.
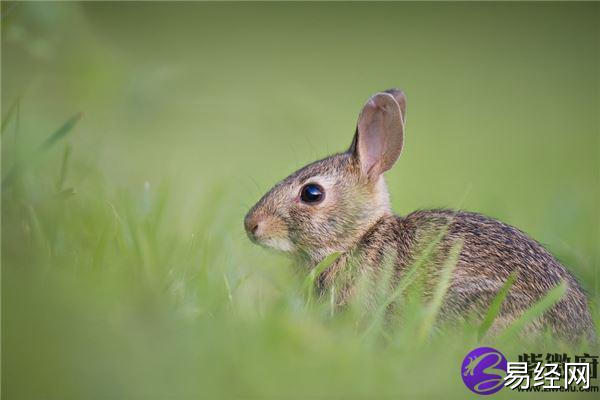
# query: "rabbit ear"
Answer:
x=380 y=132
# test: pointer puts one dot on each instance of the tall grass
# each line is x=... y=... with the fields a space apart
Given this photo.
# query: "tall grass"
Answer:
x=106 y=300
x=126 y=273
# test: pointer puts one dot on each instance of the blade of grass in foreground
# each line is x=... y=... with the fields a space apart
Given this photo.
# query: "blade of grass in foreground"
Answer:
x=494 y=308
x=39 y=237
x=309 y=282
x=60 y=133
x=551 y=298
x=406 y=280
x=13 y=110
x=64 y=166
x=440 y=290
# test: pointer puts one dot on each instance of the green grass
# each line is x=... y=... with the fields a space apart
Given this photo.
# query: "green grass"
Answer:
x=126 y=272
x=106 y=291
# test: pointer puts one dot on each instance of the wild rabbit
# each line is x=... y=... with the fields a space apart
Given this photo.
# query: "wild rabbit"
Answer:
x=341 y=204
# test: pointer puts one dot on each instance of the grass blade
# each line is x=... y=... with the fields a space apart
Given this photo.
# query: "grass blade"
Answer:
x=60 y=133
x=551 y=298
x=440 y=291
x=383 y=297
x=63 y=169
x=309 y=281
x=14 y=109
x=407 y=279
x=494 y=307
x=37 y=232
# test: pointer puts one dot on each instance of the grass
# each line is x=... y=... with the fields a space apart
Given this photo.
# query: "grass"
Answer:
x=494 y=307
x=119 y=297
x=125 y=269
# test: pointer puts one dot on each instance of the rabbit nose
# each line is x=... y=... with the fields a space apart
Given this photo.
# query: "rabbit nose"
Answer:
x=251 y=225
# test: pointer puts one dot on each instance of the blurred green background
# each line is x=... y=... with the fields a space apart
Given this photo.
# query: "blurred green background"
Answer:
x=125 y=269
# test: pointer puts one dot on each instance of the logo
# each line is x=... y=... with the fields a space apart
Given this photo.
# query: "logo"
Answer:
x=483 y=370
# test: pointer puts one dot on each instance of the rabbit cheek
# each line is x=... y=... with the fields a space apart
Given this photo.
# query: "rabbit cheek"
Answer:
x=313 y=229
x=302 y=227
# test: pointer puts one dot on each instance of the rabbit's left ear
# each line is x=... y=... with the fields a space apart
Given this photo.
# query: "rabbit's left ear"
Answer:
x=380 y=132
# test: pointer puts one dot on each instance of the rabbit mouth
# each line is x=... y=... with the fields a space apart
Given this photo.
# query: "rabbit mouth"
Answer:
x=276 y=243
x=268 y=230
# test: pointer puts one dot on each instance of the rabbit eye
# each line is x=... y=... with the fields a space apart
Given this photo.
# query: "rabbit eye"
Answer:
x=312 y=193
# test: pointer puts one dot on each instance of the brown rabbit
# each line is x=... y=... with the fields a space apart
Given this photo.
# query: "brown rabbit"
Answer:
x=341 y=204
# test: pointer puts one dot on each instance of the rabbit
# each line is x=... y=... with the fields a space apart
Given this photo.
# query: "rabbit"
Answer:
x=340 y=204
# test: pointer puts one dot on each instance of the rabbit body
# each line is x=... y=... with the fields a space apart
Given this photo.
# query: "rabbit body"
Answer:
x=491 y=251
x=341 y=204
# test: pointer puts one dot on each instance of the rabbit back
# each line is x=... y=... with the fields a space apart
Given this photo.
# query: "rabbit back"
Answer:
x=491 y=251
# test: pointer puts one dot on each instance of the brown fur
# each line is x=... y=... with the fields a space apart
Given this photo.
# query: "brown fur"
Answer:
x=355 y=220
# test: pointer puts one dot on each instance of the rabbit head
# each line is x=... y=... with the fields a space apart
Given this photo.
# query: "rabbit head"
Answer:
x=330 y=204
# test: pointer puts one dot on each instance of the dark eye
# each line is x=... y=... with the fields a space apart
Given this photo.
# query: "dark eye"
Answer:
x=312 y=193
